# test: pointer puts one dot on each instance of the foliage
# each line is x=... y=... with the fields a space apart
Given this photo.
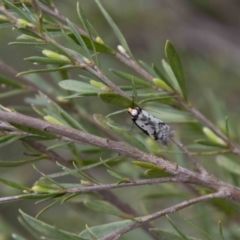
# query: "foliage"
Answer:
x=92 y=151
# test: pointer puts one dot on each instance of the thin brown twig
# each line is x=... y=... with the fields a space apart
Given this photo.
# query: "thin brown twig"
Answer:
x=189 y=156
x=131 y=183
x=156 y=215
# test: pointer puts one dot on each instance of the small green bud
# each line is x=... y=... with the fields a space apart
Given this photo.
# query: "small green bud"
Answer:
x=121 y=49
x=62 y=99
x=41 y=189
x=53 y=120
x=87 y=183
x=88 y=62
x=3 y=19
x=56 y=56
x=99 y=40
x=160 y=83
x=99 y=85
x=213 y=137
x=24 y=23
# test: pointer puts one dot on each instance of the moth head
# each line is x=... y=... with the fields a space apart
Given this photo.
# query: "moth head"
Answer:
x=134 y=112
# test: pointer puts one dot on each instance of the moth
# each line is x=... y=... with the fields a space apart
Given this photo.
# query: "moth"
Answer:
x=152 y=126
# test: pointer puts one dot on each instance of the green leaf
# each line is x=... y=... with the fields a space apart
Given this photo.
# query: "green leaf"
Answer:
x=116 y=99
x=99 y=47
x=177 y=229
x=10 y=82
x=20 y=162
x=116 y=175
x=45 y=60
x=29 y=33
x=130 y=78
x=28 y=43
x=48 y=230
x=175 y=63
x=228 y=164
x=87 y=29
x=78 y=173
x=209 y=143
x=80 y=40
x=166 y=235
x=197 y=227
x=13 y=184
x=47 y=207
x=47 y=70
x=103 y=230
x=220 y=230
x=148 y=68
x=77 y=86
x=51 y=108
x=105 y=207
x=13 y=92
x=168 y=114
x=173 y=80
x=161 y=75
x=227 y=128
x=115 y=28
x=10 y=138
x=156 y=99
x=18 y=11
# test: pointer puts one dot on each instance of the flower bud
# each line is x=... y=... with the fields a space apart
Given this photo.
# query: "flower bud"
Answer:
x=23 y=23
x=160 y=83
x=99 y=40
x=213 y=137
x=56 y=56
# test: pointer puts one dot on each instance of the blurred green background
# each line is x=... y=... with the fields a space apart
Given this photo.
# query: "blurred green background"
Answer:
x=206 y=35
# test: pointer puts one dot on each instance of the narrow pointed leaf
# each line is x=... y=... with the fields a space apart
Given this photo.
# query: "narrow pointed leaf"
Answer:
x=10 y=82
x=45 y=60
x=175 y=63
x=161 y=75
x=77 y=86
x=13 y=92
x=47 y=70
x=105 y=207
x=115 y=28
x=79 y=39
x=48 y=230
x=18 y=10
x=115 y=175
x=13 y=184
x=10 y=138
x=103 y=230
x=116 y=99
x=148 y=68
x=20 y=162
x=177 y=229
x=228 y=164
x=172 y=78
x=130 y=78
